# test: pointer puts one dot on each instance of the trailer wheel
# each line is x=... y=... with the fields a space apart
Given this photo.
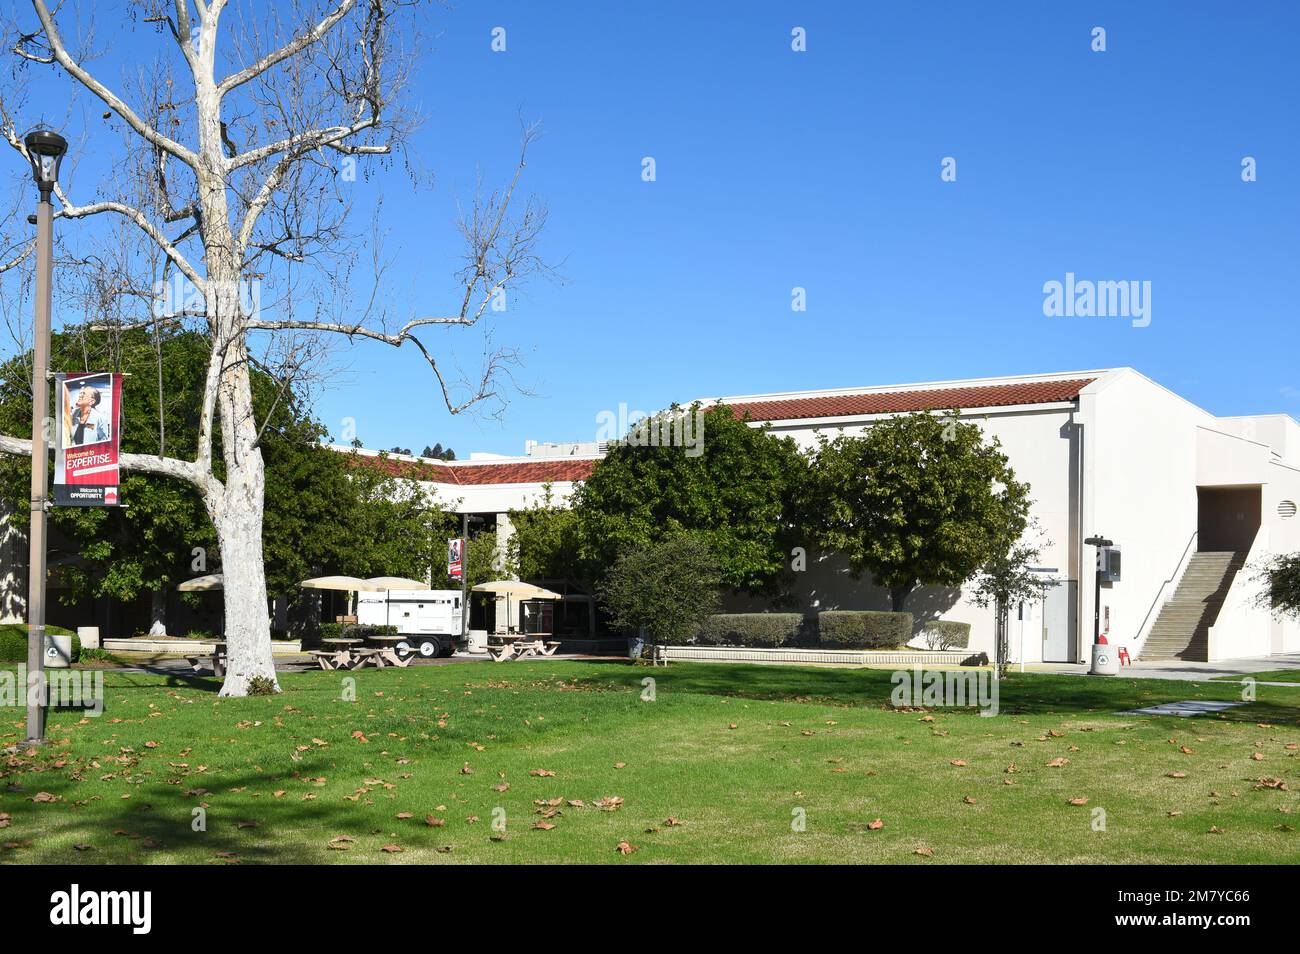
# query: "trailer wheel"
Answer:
x=403 y=649
x=429 y=648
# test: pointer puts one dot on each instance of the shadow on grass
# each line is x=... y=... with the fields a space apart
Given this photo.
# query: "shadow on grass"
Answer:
x=137 y=832
x=1020 y=694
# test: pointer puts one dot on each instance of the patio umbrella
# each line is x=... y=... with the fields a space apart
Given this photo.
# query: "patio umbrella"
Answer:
x=343 y=584
x=396 y=583
x=202 y=584
x=518 y=589
x=206 y=584
x=393 y=583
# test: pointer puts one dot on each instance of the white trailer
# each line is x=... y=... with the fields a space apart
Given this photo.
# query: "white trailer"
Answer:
x=431 y=618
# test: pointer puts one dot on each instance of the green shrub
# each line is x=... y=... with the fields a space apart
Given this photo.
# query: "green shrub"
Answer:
x=354 y=630
x=95 y=654
x=946 y=634
x=864 y=629
x=13 y=641
x=749 y=629
x=262 y=686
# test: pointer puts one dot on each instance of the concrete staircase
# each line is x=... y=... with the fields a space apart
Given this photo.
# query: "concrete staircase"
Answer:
x=1182 y=630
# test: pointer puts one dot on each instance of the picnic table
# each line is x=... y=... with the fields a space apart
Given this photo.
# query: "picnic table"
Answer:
x=519 y=645
x=344 y=652
x=216 y=660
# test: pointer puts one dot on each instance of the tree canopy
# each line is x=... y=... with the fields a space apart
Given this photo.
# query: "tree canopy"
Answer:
x=668 y=586
x=737 y=495
x=324 y=513
x=916 y=499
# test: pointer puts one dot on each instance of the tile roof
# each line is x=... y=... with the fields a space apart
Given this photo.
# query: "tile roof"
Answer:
x=893 y=402
x=506 y=472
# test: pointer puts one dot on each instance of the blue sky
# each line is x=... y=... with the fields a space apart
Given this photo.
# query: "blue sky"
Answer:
x=821 y=170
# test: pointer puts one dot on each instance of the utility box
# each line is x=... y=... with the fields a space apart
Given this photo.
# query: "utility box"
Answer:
x=1108 y=564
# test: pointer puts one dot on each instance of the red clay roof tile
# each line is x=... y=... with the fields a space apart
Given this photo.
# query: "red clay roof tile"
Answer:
x=529 y=472
x=895 y=402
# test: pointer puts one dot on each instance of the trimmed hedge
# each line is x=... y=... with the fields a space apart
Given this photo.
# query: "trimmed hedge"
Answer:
x=864 y=629
x=354 y=630
x=13 y=641
x=749 y=629
x=946 y=634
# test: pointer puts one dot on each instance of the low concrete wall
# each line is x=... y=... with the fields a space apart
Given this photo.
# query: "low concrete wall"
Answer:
x=834 y=657
x=186 y=647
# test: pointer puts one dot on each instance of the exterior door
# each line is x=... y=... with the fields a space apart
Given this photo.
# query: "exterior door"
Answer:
x=1060 y=622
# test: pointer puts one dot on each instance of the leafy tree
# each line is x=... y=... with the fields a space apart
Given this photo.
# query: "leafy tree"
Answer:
x=1008 y=578
x=323 y=515
x=666 y=587
x=917 y=499
x=738 y=495
x=544 y=545
x=437 y=452
x=1280 y=579
x=401 y=450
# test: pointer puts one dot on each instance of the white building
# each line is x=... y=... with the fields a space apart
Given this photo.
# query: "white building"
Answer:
x=1189 y=498
x=1193 y=501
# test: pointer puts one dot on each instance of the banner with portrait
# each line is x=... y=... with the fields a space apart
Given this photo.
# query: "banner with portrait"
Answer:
x=87 y=422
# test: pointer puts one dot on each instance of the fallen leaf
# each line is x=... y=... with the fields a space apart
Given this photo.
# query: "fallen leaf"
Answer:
x=875 y=825
x=625 y=847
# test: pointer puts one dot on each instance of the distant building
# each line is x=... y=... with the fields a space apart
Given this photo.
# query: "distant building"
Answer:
x=1193 y=501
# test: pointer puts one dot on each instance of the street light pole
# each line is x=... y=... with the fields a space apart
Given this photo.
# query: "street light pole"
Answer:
x=1099 y=542
x=45 y=149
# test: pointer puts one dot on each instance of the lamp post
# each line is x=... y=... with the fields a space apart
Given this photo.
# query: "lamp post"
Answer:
x=45 y=150
x=1099 y=542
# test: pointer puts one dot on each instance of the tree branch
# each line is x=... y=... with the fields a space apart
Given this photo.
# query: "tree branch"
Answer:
x=142 y=463
x=294 y=46
x=111 y=99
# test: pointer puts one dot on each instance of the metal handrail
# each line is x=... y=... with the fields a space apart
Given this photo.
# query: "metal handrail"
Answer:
x=1177 y=574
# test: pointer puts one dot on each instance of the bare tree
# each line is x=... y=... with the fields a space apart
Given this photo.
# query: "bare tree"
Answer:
x=237 y=145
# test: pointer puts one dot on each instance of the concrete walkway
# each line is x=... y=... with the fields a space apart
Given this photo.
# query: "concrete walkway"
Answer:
x=1180 y=669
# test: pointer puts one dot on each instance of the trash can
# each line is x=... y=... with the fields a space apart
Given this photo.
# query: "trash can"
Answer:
x=1105 y=660
x=58 y=651
x=477 y=642
x=89 y=636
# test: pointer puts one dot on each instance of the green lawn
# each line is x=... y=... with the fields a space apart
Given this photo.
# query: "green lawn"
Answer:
x=1276 y=675
x=733 y=752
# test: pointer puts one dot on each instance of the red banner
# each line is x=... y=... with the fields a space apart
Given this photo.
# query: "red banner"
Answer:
x=87 y=424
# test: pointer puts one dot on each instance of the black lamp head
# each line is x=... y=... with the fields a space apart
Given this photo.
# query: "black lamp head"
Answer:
x=46 y=149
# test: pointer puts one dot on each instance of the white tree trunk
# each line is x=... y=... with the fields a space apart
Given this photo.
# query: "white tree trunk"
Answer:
x=158 y=613
x=238 y=520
